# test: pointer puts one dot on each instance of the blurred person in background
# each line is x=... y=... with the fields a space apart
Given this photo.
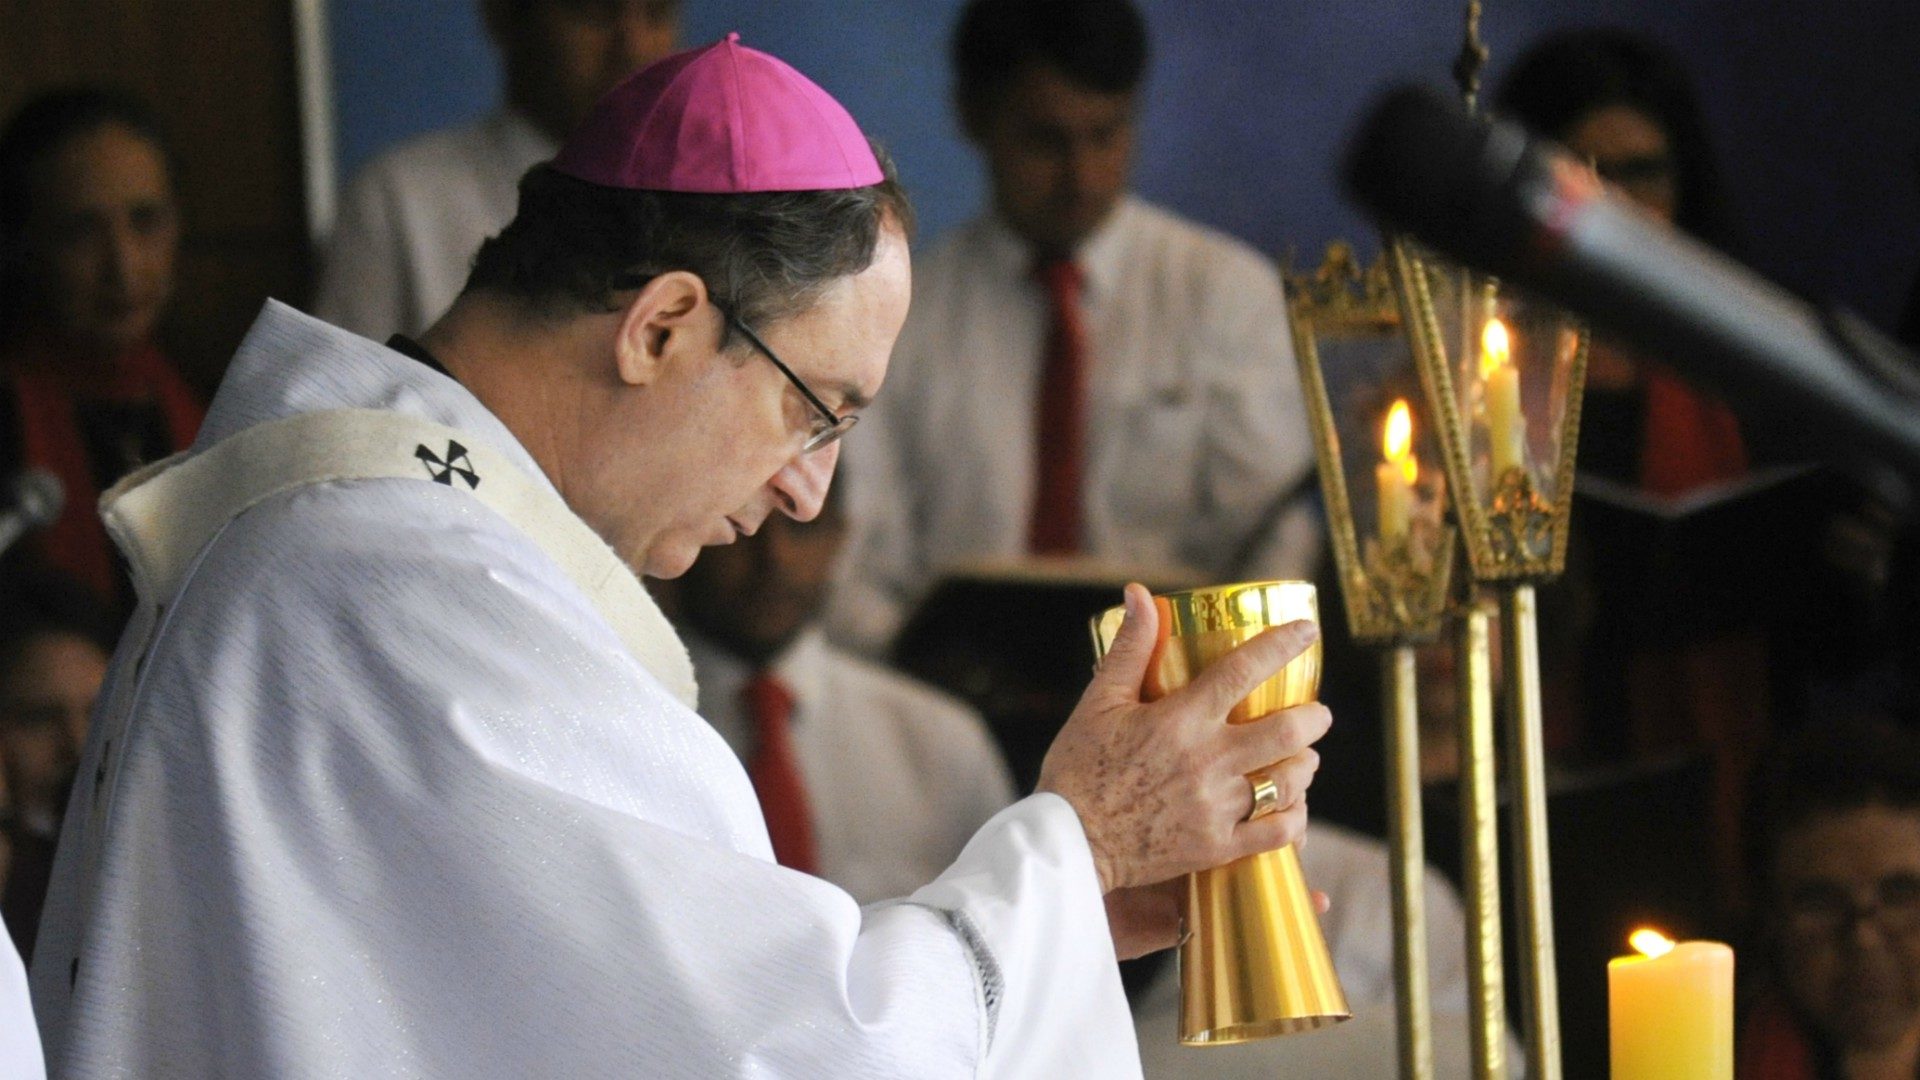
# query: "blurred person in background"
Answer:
x=89 y=231
x=1083 y=375
x=1837 y=864
x=54 y=644
x=1693 y=655
x=413 y=218
x=868 y=778
x=1619 y=100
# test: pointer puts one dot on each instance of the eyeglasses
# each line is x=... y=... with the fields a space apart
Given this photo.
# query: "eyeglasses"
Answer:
x=827 y=427
x=1646 y=173
x=1825 y=909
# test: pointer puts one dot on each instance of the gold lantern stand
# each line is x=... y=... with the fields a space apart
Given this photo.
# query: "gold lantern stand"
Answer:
x=1513 y=517
x=1394 y=581
x=1508 y=493
x=1481 y=348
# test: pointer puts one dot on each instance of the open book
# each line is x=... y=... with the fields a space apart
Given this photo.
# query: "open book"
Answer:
x=1011 y=637
x=1716 y=558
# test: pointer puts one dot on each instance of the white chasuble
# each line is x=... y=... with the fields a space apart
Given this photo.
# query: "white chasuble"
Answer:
x=19 y=1040
x=395 y=774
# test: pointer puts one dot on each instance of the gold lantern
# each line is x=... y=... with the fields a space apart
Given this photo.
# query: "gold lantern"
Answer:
x=1378 y=457
x=1500 y=377
x=1503 y=375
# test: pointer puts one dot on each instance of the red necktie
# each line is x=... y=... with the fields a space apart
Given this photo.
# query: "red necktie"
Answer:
x=1061 y=424
x=775 y=772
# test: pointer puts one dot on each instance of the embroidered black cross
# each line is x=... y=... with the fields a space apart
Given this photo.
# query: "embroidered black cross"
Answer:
x=443 y=471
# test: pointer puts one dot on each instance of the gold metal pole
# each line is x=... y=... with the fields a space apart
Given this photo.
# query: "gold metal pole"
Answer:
x=1527 y=772
x=1480 y=843
x=1408 y=848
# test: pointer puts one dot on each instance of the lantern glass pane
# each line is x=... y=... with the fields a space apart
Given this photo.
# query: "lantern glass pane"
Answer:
x=1511 y=359
x=1393 y=468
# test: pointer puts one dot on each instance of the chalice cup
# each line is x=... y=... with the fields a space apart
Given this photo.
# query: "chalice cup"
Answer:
x=1253 y=962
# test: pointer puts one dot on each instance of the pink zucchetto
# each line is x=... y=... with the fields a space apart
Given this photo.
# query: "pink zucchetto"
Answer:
x=725 y=119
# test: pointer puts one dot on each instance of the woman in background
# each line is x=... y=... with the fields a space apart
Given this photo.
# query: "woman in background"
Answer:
x=89 y=231
x=1622 y=102
x=1649 y=673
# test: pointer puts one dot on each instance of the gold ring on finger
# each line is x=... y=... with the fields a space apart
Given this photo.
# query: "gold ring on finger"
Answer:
x=1266 y=796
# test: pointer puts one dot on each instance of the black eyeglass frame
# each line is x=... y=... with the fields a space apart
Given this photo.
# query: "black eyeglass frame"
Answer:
x=835 y=425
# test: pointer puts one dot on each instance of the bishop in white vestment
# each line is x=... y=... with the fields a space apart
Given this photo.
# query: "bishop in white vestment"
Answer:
x=400 y=803
x=397 y=773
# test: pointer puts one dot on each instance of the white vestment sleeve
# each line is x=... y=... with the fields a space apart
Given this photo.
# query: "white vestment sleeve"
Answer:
x=1037 y=952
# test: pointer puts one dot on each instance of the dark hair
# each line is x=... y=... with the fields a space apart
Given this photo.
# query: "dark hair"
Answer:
x=574 y=245
x=39 y=130
x=1098 y=44
x=37 y=601
x=1567 y=76
x=1865 y=757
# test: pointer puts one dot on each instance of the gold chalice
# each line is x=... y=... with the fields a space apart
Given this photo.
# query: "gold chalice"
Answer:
x=1253 y=962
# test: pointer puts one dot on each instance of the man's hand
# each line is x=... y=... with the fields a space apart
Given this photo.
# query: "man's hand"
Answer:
x=1161 y=788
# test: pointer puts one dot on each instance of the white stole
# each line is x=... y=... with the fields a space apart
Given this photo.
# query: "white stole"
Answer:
x=163 y=516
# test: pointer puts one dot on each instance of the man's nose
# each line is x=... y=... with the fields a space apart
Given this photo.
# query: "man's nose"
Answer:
x=802 y=484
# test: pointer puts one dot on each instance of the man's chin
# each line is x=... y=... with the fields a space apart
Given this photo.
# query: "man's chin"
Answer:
x=669 y=561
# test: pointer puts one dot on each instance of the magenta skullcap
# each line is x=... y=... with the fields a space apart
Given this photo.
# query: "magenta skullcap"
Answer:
x=725 y=119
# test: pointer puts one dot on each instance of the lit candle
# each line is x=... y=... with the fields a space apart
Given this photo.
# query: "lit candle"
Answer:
x=1506 y=424
x=1671 y=1010
x=1394 y=478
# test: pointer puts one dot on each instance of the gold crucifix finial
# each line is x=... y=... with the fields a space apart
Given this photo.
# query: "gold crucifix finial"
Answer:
x=1342 y=292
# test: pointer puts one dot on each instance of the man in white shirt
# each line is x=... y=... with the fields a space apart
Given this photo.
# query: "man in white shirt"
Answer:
x=1082 y=373
x=396 y=771
x=869 y=779
x=412 y=218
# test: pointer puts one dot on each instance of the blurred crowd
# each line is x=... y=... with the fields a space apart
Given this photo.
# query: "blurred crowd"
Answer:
x=1092 y=388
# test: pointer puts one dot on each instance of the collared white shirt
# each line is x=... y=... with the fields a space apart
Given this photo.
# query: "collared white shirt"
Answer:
x=898 y=775
x=1197 y=433
x=413 y=218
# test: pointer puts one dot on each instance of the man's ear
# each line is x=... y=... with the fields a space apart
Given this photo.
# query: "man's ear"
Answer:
x=658 y=323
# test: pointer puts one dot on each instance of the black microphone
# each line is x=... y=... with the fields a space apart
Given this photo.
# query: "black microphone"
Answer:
x=1486 y=195
x=29 y=499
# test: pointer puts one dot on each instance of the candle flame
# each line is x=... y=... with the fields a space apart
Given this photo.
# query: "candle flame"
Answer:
x=1651 y=943
x=1496 y=348
x=1397 y=441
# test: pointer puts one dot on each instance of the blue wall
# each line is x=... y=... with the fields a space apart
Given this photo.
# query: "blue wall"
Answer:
x=1816 y=106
